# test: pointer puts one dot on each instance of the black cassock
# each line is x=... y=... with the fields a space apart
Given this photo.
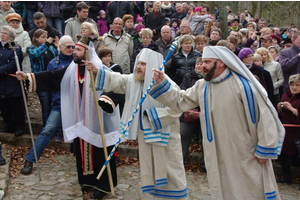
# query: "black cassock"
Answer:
x=50 y=81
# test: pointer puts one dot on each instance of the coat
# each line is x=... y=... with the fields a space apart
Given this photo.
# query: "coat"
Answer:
x=52 y=32
x=164 y=50
x=155 y=23
x=122 y=49
x=9 y=85
x=118 y=9
x=24 y=41
x=182 y=65
x=3 y=15
x=20 y=8
x=102 y=26
x=52 y=8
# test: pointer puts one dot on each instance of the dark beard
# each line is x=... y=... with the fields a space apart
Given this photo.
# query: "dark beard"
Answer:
x=78 y=61
x=211 y=72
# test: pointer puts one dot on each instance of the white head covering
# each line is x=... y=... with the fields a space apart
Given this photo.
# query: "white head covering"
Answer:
x=236 y=65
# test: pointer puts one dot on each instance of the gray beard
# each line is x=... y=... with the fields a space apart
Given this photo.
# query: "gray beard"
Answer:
x=210 y=74
x=139 y=77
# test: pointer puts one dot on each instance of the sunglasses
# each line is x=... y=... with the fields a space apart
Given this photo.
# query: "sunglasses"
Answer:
x=70 y=46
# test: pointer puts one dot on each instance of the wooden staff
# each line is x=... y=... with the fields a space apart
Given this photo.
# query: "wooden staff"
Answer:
x=101 y=127
x=13 y=45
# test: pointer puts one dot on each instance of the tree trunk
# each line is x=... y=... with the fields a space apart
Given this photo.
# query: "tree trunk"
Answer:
x=211 y=5
x=298 y=13
x=223 y=18
x=235 y=7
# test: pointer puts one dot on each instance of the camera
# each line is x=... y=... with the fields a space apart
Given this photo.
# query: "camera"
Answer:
x=281 y=104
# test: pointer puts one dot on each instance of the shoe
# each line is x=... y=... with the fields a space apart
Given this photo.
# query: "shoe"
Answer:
x=27 y=169
x=59 y=139
x=2 y=160
x=7 y=129
x=284 y=180
x=19 y=133
x=86 y=188
x=97 y=195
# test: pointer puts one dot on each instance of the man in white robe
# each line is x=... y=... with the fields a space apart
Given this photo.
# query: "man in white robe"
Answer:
x=155 y=127
x=241 y=130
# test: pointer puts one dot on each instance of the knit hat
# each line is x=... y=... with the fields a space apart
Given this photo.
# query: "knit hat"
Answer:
x=13 y=16
x=101 y=12
x=276 y=37
x=175 y=20
x=139 y=27
x=294 y=78
x=197 y=9
x=139 y=19
x=244 y=53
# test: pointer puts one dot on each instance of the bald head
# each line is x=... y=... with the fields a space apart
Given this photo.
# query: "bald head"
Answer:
x=117 y=25
x=166 y=33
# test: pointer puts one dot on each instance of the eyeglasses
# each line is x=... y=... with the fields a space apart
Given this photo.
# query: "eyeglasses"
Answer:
x=70 y=46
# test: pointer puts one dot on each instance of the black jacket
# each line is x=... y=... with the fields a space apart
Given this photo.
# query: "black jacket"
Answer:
x=153 y=46
x=52 y=32
x=155 y=23
x=181 y=65
x=118 y=9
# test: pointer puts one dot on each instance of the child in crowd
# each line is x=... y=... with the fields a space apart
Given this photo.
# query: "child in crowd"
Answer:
x=174 y=27
x=128 y=21
x=102 y=23
x=139 y=20
x=196 y=19
x=167 y=19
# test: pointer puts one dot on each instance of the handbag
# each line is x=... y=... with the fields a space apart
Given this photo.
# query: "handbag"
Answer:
x=192 y=115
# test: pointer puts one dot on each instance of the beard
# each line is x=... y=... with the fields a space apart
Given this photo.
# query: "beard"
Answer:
x=210 y=73
x=139 y=77
x=78 y=60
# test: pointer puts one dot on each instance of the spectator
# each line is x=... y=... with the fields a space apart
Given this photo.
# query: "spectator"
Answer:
x=11 y=100
x=266 y=41
x=120 y=43
x=233 y=42
x=223 y=43
x=73 y=25
x=274 y=52
x=53 y=11
x=197 y=22
x=102 y=23
x=118 y=9
x=138 y=9
x=53 y=125
x=234 y=25
x=214 y=37
x=288 y=110
x=204 y=10
x=14 y=20
x=88 y=30
x=20 y=8
x=174 y=27
x=41 y=52
x=243 y=21
x=94 y=8
x=136 y=37
x=179 y=13
x=251 y=25
x=265 y=31
x=289 y=60
x=128 y=21
x=261 y=24
x=5 y=9
x=185 y=29
x=200 y=42
x=275 y=71
x=40 y=21
x=31 y=9
x=245 y=56
x=275 y=39
x=211 y=24
x=164 y=43
x=147 y=42
x=190 y=11
x=69 y=10
x=183 y=61
x=167 y=9
x=155 y=20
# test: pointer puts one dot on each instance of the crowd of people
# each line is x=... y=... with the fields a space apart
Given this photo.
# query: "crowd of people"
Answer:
x=49 y=35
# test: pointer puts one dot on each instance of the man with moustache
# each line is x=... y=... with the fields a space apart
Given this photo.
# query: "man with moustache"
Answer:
x=155 y=126
x=79 y=119
x=241 y=135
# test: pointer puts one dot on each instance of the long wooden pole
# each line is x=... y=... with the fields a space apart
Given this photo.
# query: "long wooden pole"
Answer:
x=101 y=127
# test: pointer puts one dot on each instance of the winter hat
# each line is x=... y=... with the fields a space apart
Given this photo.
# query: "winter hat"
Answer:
x=13 y=16
x=139 y=19
x=244 y=53
x=197 y=9
x=139 y=27
x=175 y=20
x=167 y=19
x=101 y=12
x=276 y=37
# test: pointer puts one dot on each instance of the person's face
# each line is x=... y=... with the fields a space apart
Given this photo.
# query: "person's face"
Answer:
x=250 y=33
x=41 y=23
x=258 y=63
x=146 y=39
x=156 y=8
x=200 y=46
x=166 y=34
x=174 y=24
x=248 y=59
x=5 y=36
x=117 y=25
x=85 y=31
x=5 y=5
x=186 y=46
x=107 y=60
x=83 y=14
x=140 y=71
x=179 y=8
x=214 y=36
x=150 y=9
x=190 y=11
x=234 y=24
x=184 y=7
x=261 y=25
x=273 y=53
x=296 y=41
x=264 y=57
x=276 y=31
x=103 y=16
x=42 y=39
x=211 y=68
x=79 y=54
x=250 y=26
x=231 y=45
x=129 y=23
x=14 y=24
x=265 y=33
x=274 y=41
x=185 y=29
x=67 y=48
x=198 y=67
x=214 y=25
x=204 y=11
x=265 y=43
x=205 y=25
x=234 y=33
x=295 y=88
x=242 y=16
